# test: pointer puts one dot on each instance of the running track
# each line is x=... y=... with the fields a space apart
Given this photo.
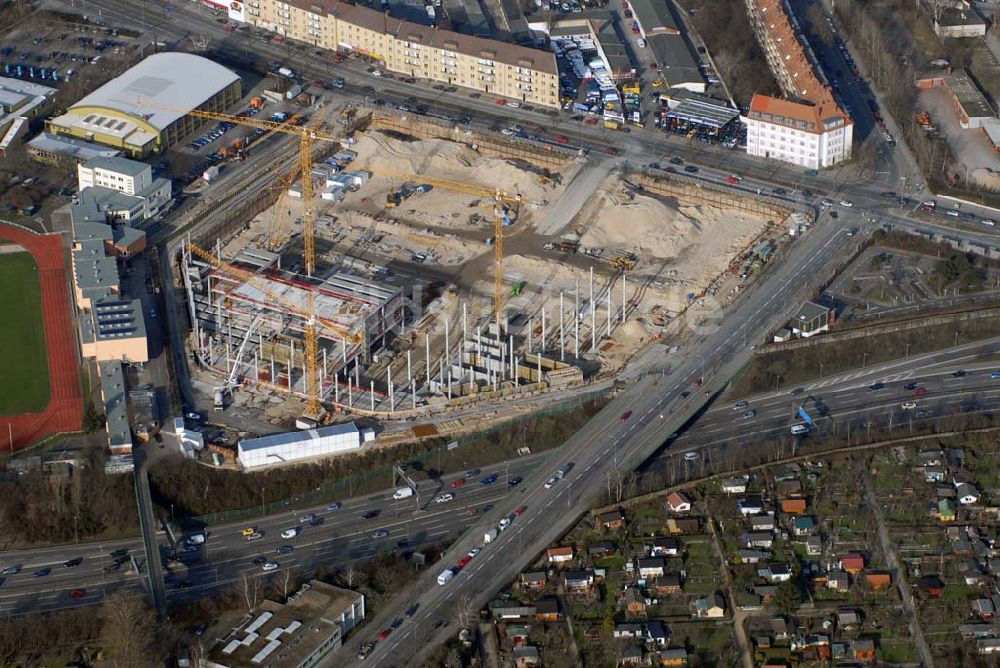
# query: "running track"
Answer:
x=65 y=410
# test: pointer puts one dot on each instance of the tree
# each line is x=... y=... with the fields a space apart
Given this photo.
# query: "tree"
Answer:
x=92 y=420
x=250 y=590
x=817 y=21
x=788 y=598
x=127 y=631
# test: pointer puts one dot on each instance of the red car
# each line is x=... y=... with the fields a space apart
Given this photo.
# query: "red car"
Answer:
x=626 y=415
x=562 y=139
x=635 y=31
x=733 y=179
x=338 y=57
x=590 y=121
x=501 y=101
x=384 y=634
x=520 y=511
x=464 y=561
x=78 y=593
x=458 y=483
x=920 y=391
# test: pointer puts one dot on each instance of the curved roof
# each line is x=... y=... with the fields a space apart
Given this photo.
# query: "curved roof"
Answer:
x=160 y=85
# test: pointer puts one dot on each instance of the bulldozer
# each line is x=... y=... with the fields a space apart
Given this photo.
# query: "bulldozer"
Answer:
x=624 y=261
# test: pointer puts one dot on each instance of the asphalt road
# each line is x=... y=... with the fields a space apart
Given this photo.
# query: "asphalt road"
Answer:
x=226 y=556
x=623 y=435
x=846 y=398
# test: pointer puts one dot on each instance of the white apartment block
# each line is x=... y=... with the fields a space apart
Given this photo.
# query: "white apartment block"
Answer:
x=811 y=136
x=121 y=174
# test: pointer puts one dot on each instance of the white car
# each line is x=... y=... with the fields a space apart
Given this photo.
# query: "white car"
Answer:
x=473 y=552
x=846 y=202
x=256 y=535
x=504 y=523
x=377 y=73
x=506 y=132
x=290 y=533
x=444 y=498
x=908 y=405
x=551 y=482
x=690 y=456
x=269 y=566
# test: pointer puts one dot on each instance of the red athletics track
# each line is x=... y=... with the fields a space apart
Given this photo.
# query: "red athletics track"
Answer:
x=65 y=410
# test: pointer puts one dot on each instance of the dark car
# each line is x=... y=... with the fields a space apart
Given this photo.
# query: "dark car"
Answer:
x=259 y=561
x=489 y=480
x=676 y=161
x=285 y=549
x=396 y=623
x=73 y=563
x=876 y=386
x=371 y=514
x=472 y=473
x=41 y=572
x=959 y=374
x=117 y=554
x=410 y=611
x=515 y=481
x=911 y=386
x=626 y=415
x=691 y=169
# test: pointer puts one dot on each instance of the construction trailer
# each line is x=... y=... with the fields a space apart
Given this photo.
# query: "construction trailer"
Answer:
x=250 y=329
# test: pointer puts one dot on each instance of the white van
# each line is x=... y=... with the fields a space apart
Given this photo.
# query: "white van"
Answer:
x=445 y=577
x=402 y=493
x=800 y=429
x=290 y=533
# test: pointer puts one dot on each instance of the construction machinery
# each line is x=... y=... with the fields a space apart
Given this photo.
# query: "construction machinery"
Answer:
x=624 y=261
x=395 y=197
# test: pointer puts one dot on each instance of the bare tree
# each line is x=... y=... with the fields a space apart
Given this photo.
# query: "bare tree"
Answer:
x=127 y=632
x=250 y=589
x=463 y=610
x=286 y=579
x=347 y=575
x=817 y=20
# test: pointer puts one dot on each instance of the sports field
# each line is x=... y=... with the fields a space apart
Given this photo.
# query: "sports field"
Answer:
x=24 y=372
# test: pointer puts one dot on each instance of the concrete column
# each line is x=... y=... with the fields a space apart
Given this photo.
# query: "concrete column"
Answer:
x=350 y=392
x=371 y=391
x=409 y=380
x=427 y=355
x=531 y=327
x=388 y=374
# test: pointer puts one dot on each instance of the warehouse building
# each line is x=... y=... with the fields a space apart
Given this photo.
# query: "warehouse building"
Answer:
x=298 y=445
x=675 y=59
x=411 y=49
x=52 y=149
x=143 y=111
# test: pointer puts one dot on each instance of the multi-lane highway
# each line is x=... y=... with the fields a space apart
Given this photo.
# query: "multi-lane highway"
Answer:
x=336 y=536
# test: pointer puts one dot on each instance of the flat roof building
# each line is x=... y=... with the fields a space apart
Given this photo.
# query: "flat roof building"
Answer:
x=302 y=632
x=115 y=407
x=20 y=101
x=55 y=150
x=971 y=105
x=296 y=445
x=664 y=37
x=143 y=111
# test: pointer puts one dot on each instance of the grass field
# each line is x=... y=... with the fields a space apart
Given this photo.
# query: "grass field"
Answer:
x=24 y=372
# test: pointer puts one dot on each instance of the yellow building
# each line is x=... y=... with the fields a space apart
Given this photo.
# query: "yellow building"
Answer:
x=493 y=67
x=143 y=111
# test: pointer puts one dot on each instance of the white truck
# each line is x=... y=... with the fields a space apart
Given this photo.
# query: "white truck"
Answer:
x=490 y=536
x=403 y=493
x=211 y=173
x=445 y=577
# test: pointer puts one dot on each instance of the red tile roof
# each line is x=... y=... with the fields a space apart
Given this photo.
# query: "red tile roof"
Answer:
x=805 y=117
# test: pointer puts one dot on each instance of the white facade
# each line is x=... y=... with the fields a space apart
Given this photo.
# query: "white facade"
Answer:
x=806 y=149
x=809 y=136
x=121 y=174
x=298 y=445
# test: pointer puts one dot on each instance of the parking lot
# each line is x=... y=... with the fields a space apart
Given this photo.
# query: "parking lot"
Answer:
x=52 y=52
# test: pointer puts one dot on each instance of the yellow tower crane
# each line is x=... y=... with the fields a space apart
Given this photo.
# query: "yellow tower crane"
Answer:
x=313 y=381
x=307 y=135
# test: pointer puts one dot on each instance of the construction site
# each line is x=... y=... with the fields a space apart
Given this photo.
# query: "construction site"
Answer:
x=421 y=267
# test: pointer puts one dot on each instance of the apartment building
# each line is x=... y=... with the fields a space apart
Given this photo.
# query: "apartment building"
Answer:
x=809 y=135
x=807 y=128
x=424 y=52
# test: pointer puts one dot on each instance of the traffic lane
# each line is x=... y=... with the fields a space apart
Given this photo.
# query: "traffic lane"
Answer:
x=645 y=404
x=972 y=374
x=930 y=406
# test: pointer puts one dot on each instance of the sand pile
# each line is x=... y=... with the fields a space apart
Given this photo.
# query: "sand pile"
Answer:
x=445 y=160
x=643 y=225
x=987 y=178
